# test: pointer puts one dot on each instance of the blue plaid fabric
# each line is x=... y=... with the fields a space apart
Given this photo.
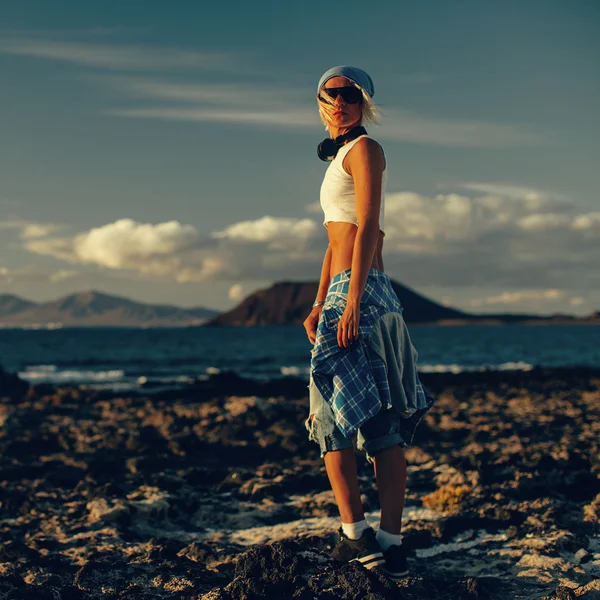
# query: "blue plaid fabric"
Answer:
x=353 y=380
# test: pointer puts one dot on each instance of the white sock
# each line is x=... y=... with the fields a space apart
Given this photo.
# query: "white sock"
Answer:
x=386 y=539
x=355 y=530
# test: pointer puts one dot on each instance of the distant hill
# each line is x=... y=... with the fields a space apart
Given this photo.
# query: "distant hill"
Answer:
x=10 y=305
x=92 y=309
x=284 y=303
x=288 y=303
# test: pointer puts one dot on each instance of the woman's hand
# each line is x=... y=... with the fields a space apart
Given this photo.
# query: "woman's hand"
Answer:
x=311 y=322
x=348 y=325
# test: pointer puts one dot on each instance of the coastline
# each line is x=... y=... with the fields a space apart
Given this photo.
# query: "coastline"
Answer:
x=107 y=494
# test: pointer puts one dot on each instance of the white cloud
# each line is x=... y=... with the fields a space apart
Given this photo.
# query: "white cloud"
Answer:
x=236 y=292
x=265 y=104
x=265 y=248
x=516 y=297
x=125 y=241
x=37 y=230
x=425 y=224
x=283 y=113
x=259 y=104
x=62 y=275
x=412 y=217
x=113 y=56
x=459 y=241
x=271 y=230
x=35 y=274
x=587 y=221
x=506 y=190
x=259 y=116
x=543 y=221
x=525 y=244
x=236 y=94
x=29 y=229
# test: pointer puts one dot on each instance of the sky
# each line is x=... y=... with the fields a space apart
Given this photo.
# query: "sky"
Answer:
x=167 y=151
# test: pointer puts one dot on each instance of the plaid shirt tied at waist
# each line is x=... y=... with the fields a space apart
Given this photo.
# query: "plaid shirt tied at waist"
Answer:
x=355 y=381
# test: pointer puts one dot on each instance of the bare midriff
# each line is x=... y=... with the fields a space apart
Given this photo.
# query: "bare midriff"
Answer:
x=341 y=240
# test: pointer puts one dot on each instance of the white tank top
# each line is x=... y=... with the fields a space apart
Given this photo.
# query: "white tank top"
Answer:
x=338 y=199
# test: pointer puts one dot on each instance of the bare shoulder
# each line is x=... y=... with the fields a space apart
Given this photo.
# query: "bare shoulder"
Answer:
x=366 y=151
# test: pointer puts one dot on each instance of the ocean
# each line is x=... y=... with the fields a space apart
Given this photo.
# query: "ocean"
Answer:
x=127 y=359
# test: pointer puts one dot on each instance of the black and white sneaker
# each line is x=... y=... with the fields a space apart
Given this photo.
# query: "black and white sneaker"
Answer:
x=395 y=566
x=365 y=549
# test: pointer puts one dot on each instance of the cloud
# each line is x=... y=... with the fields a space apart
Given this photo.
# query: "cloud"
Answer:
x=236 y=94
x=118 y=56
x=289 y=118
x=35 y=274
x=516 y=297
x=271 y=230
x=29 y=229
x=236 y=292
x=263 y=104
x=37 y=230
x=543 y=221
x=126 y=241
x=459 y=241
x=587 y=221
x=506 y=190
x=266 y=104
x=62 y=275
x=520 y=246
x=266 y=248
x=260 y=104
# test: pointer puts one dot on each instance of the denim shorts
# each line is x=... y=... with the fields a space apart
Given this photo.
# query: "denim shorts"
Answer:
x=379 y=433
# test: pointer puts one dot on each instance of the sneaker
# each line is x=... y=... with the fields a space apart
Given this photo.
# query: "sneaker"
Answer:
x=365 y=550
x=395 y=566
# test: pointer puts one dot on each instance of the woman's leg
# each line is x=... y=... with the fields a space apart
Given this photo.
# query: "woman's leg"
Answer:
x=390 y=473
x=343 y=477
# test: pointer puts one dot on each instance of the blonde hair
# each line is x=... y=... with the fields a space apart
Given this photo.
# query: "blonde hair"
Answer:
x=370 y=112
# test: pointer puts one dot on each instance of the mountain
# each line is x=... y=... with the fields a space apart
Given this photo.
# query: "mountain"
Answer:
x=10 y=304
x=288 y=303
x=284 y=303
x=92 y=308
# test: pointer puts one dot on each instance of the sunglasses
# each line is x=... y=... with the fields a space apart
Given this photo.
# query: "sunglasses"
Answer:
x=349 y=94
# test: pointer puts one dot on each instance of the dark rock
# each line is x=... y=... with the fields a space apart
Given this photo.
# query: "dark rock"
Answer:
x=11 y=386
x=565 y=593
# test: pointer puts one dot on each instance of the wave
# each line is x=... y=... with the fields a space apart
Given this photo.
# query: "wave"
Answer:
x=121 y=380
x=508 y=366
x=294 y=371
x=34 y=326
x=114 y=379
x=50 y=374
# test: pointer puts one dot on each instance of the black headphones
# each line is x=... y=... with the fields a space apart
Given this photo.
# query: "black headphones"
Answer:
x=328 y=148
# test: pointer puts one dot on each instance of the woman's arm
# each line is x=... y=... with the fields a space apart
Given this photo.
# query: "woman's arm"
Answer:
x=366 y=163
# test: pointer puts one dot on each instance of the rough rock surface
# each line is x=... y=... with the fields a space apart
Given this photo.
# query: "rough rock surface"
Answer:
x=201 y=493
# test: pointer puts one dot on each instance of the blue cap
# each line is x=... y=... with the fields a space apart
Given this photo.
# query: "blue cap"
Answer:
x=355 y=74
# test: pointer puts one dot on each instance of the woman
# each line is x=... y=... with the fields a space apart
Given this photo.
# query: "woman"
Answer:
x=363 y=367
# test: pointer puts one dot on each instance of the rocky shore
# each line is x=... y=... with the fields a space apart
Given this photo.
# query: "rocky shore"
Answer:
x=213 y=491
